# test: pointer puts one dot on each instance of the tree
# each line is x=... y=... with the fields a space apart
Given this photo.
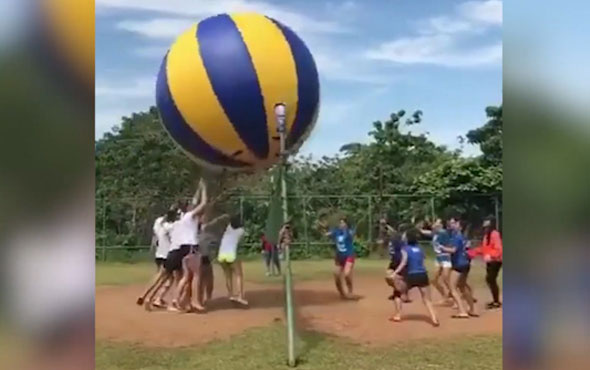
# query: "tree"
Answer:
x=489 y=137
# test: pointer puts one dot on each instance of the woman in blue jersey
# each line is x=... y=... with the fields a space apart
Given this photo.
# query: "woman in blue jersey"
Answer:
x=344 y=258
x=461 y=266
x=442 y=261
x=416 y=276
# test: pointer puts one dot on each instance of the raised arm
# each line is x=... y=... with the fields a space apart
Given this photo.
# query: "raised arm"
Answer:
x=200 y=208
x=426 y=232
x=215 y=221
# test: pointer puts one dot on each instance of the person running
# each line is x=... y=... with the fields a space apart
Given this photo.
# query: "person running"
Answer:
x=442 y=262
x=184 y=253
x=161 y=242
x=231 y=264
x=461 y=265
x=416 y=276
x=344 y=259
x=491 y=250
x=271 y=257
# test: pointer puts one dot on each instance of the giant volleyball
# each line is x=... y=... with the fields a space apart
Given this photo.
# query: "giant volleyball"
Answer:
x=220 y=81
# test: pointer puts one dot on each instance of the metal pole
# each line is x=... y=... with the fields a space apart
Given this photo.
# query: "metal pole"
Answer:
x=241 y=208
x=103 y=233
x=370 y=219
x=432 y=210
x=305 y=226
x=280 y=113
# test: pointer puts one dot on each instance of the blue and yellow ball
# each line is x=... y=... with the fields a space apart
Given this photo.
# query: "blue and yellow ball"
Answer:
x=219 y=83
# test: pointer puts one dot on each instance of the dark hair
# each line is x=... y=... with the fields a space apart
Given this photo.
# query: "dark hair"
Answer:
x=343 y=218
x=171 y=215
x=235 y=222
x=412 y=236
x=492 y=227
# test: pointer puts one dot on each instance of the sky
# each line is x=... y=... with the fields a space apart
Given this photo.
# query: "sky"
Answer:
x=374 y=57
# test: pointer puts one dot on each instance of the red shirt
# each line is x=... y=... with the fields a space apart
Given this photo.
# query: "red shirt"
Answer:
x=490 y=249
x=266 y=245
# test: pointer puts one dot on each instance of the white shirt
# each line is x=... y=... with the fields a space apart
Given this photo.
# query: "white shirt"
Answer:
x=185 y=231
x=229 y=241
x=162 y=231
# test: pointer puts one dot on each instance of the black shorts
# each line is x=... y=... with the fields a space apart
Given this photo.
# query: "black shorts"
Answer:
x=174 y=258
x=419 y=280
x=160 y=261
x=463 y=269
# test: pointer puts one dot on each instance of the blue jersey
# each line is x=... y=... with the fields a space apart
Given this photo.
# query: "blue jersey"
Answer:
x=343 y=241
x=460 y=257
x=440 y=239
x=415 y=262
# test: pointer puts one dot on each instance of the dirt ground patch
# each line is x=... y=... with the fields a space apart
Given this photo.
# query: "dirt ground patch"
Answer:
x=319 y=309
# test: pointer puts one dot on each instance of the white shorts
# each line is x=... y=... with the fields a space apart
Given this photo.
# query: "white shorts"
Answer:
x=443 y=261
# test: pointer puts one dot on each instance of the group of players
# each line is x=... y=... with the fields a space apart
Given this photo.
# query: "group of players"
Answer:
x=407 y=269
x=182 y=239
x=183 y=242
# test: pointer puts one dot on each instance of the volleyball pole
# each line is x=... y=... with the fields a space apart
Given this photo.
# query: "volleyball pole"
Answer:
x=280 y=114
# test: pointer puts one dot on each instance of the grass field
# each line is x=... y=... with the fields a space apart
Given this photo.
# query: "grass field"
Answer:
x=264 y=348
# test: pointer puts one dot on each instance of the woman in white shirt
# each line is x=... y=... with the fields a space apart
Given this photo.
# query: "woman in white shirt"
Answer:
x=229 y=261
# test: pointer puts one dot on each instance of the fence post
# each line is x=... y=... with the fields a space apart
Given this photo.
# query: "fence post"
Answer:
x=305 y=226
x=432 y=209
x=103 y=231
x=370 y=218
x=104 y=253
x=241 y=208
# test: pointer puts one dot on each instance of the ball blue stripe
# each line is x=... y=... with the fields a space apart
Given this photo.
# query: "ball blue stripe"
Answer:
x=181 y=132
x=308 y=84
x=234 y=80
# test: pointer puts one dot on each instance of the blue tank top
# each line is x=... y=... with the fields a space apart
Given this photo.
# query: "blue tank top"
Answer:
x=460 y=257
x=415 y=259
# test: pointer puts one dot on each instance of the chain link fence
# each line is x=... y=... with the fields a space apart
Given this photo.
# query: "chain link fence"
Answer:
x=124 y=227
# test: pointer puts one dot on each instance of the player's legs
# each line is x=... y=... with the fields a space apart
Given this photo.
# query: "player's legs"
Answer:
x=455 y=292
x=338 y=278
x=267 y=262
x=205 y=288
x=276 y=260
x=229 y=283
x=400 y=287
x=239 y=272
x=446 y=279
x=436 y=280
x=182 y=291
x=348 y=274
x=427 y=300
x=492 y=271
x=194 y=262
x=210 y=282
x=155 y=283
x=466 y=293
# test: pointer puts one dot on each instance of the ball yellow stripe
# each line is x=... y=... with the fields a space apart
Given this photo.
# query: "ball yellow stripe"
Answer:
x=271 y=56
x=199 y=107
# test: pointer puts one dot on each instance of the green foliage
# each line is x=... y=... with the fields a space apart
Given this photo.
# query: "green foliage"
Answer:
x=140 y=172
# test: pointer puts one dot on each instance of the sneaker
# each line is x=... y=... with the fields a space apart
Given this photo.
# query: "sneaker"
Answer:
x=493 y=305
